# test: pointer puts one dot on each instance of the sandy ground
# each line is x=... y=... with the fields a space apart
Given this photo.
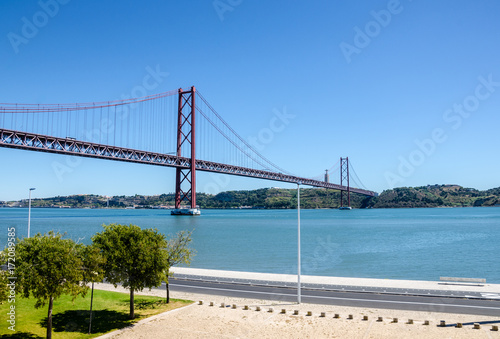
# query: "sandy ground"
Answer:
x=205 y=321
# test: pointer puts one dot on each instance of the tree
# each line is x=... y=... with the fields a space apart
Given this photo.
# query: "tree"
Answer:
x=93 y=264
x=178 y=252
x=135 y=257
x=47 y=267
x=4 y=287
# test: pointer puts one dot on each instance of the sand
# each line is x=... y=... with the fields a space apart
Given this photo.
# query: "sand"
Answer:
x=205 y=321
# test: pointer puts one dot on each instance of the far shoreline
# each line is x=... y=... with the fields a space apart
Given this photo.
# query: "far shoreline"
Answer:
x=237 y=208
x=429 y=196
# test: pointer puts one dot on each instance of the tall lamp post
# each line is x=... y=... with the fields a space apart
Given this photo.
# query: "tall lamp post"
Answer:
x=29 y=212
x=298 y=241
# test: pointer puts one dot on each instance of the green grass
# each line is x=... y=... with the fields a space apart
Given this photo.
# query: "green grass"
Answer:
x=71 y=319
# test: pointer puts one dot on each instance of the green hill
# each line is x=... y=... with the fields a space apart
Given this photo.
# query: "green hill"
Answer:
x=436 y=196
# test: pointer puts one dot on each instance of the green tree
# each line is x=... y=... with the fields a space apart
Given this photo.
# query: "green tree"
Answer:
x=135 y=257
x=93 y=264
x=49 y=266
x=3 y=286
x=178 y=252
x=4 y=289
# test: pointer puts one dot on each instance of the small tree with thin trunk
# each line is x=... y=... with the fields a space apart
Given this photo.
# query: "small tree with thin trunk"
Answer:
x=178 y=252
x=47 y=267
x=135 y=257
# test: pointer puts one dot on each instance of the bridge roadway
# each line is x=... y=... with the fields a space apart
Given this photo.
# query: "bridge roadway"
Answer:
x=44 y=143
x=463 y=302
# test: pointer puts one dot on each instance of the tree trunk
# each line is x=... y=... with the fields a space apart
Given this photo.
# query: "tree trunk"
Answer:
x=168 y=293
x=49 y=319
x=131 y=315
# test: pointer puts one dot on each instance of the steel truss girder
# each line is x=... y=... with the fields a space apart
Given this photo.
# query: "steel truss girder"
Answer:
x=43 y=143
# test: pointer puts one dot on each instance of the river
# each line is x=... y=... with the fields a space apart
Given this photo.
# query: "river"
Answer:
x=413 y=244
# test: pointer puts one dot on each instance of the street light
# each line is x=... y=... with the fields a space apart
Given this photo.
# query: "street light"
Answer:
x=29 y=212
x=298 y=241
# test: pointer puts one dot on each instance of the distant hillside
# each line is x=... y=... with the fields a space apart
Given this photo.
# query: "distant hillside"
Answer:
x=277 y=198
x=261 y=198
x=435 y=196
x=281 y=198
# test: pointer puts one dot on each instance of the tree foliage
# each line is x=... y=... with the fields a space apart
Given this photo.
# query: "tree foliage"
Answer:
x=3 y=280
x=178 y=252
x=93 y=264
x=135 y=257
x=47 y=267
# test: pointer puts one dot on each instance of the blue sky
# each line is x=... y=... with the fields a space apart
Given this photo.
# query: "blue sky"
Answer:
x=408 y=90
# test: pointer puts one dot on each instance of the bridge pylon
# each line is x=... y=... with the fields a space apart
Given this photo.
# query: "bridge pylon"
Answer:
x=185 y=178
x=345 y=197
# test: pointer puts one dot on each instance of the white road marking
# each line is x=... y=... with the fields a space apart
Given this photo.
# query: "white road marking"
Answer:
x=490 y=295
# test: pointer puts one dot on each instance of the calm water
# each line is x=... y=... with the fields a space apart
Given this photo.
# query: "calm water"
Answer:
x=418 y=244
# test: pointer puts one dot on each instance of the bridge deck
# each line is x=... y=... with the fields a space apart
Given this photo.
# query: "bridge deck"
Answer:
x=44 y=143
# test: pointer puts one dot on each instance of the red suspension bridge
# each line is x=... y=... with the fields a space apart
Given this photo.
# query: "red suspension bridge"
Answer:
x=175 y=129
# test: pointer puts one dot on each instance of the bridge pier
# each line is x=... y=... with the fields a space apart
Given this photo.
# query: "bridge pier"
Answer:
x=185 y=211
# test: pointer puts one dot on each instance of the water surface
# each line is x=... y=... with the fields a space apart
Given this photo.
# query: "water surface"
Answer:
x=415 y=244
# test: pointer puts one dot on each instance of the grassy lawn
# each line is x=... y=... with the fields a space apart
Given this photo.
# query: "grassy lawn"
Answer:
x=71 y=319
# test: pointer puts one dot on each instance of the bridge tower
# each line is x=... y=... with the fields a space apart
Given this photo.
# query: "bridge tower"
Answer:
x=327 y=176
x=345 y=197
x=185 y=178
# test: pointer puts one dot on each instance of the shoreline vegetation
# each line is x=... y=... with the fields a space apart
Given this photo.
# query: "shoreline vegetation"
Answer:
x=280 y=198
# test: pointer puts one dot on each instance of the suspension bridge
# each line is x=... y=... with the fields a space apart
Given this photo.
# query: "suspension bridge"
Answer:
x=178 y=129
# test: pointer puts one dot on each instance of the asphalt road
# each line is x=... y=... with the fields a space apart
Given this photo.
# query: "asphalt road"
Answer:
x=400 y=300
x=347 y=288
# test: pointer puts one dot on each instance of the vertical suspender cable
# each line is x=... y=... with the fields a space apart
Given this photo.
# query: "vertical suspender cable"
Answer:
x=115 y=123
x=100 y=124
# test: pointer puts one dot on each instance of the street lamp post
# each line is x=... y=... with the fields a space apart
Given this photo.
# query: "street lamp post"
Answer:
x=298 y=241
x=91 y=300
x=29 y=212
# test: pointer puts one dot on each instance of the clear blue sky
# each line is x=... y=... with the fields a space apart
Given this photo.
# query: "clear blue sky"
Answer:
x=409 y=90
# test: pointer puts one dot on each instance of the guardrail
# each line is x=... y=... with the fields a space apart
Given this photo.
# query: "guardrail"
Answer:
x=465 y=280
